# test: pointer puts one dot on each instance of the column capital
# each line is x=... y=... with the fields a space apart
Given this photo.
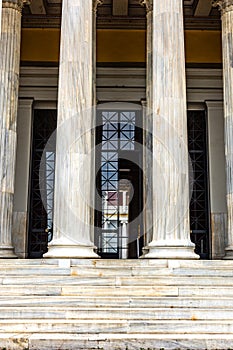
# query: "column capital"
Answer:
x=15 y=4
x=97 y=3
x=148 y=4
x=223 y=5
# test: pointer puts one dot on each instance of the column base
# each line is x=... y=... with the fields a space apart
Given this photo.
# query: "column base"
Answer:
x=7 y=252
x=64 y=248
x=228 y=253
x=172 y=251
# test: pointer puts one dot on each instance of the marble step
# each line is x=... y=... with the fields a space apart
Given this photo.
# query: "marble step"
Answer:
x=34 y=271
x=148 y=291
x=117 y=281
x=115 y=341
x=79 y=272
x=88 y=290
x=114 y=314
x=118 y=264
x=124 y=341
x=120 y=302
x=116 y=291
x=64 y=326
x=151 y=272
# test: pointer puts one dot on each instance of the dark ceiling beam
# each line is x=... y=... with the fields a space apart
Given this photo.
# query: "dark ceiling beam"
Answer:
x=37 y=7
x=203 y=8
x=120 y=7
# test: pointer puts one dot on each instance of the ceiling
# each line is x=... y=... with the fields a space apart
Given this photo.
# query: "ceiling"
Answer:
x=198 y=14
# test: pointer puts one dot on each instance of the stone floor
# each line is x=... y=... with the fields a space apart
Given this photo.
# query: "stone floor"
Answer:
x=116 y=304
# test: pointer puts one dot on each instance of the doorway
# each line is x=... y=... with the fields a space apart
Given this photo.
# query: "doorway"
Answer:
x=42 y=175
x=119 y=184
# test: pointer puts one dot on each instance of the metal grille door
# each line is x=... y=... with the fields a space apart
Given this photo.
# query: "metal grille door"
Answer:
x=199 y=206
x=42 y=184
x=118 y=136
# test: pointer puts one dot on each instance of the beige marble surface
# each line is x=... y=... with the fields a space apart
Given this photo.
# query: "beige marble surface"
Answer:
x=110 y=304
x=171 y=231
x=73 y=190
x=0 y=17
x=226 y=7
x=9 y=80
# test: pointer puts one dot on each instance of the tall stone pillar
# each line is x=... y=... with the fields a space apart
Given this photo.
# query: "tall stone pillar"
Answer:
x=171 y=230
x=9 y=83
x=73 y=201
x=147 y=127
x=0 y=16
x=226 y=7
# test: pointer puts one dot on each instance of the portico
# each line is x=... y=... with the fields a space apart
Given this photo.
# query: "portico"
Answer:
x=166 y=173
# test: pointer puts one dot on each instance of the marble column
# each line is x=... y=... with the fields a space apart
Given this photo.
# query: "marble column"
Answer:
x=0 y=17
x=73 y=200
x=226 y=7
x=147 y=127
x=22 y=177
x=9 y=83
x=170 y=171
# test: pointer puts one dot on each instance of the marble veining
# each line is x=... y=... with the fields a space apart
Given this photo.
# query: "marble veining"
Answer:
x=167 y=99
x=9 y=82
x=73 y=190
x=226 y=7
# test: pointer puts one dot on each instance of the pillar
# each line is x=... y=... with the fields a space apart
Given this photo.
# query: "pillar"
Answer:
x=9 y=83
x=217 y=178
x=73 y=199
x=147 y=127
x=22 y=177
x=170 y=171
x=0 y=16
x=226 y=7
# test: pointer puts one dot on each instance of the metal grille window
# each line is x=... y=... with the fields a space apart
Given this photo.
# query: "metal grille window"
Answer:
x=116 y=136
x=42 y=185
x=199 y=206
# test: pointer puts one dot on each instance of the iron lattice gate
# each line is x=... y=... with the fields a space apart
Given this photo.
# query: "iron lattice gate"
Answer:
x=118 y=137
x=199 y=205
x=42 y=181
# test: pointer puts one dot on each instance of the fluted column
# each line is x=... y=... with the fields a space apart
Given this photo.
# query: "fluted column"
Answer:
x=0 y=16
x=147 y=131
x=171 y=231
x=226 y=7
x=9 y=83
x=73 y=212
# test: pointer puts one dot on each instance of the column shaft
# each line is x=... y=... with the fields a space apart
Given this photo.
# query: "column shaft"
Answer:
x=147 y=132
x=73 y=213
x=226 y=7
x=171 y=231
x=9 y=82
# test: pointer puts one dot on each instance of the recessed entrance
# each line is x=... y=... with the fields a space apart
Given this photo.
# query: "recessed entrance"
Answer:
x=119 y=181
x=119 y=184
x=42 y=182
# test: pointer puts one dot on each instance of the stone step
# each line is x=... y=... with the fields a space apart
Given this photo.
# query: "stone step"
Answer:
x=115 y=341
x=116 y=326
x=26 y=290
x=114 y=314
x=116 y=291
x=148 y=291
x=34 y=271
x=119 y=264
x=120 y=302
x=130 y=342
x=151 y=272
x=79 y=272
x=117 y=281
x=88 y=290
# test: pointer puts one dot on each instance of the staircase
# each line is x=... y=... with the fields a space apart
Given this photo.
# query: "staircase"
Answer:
x=116 y=304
